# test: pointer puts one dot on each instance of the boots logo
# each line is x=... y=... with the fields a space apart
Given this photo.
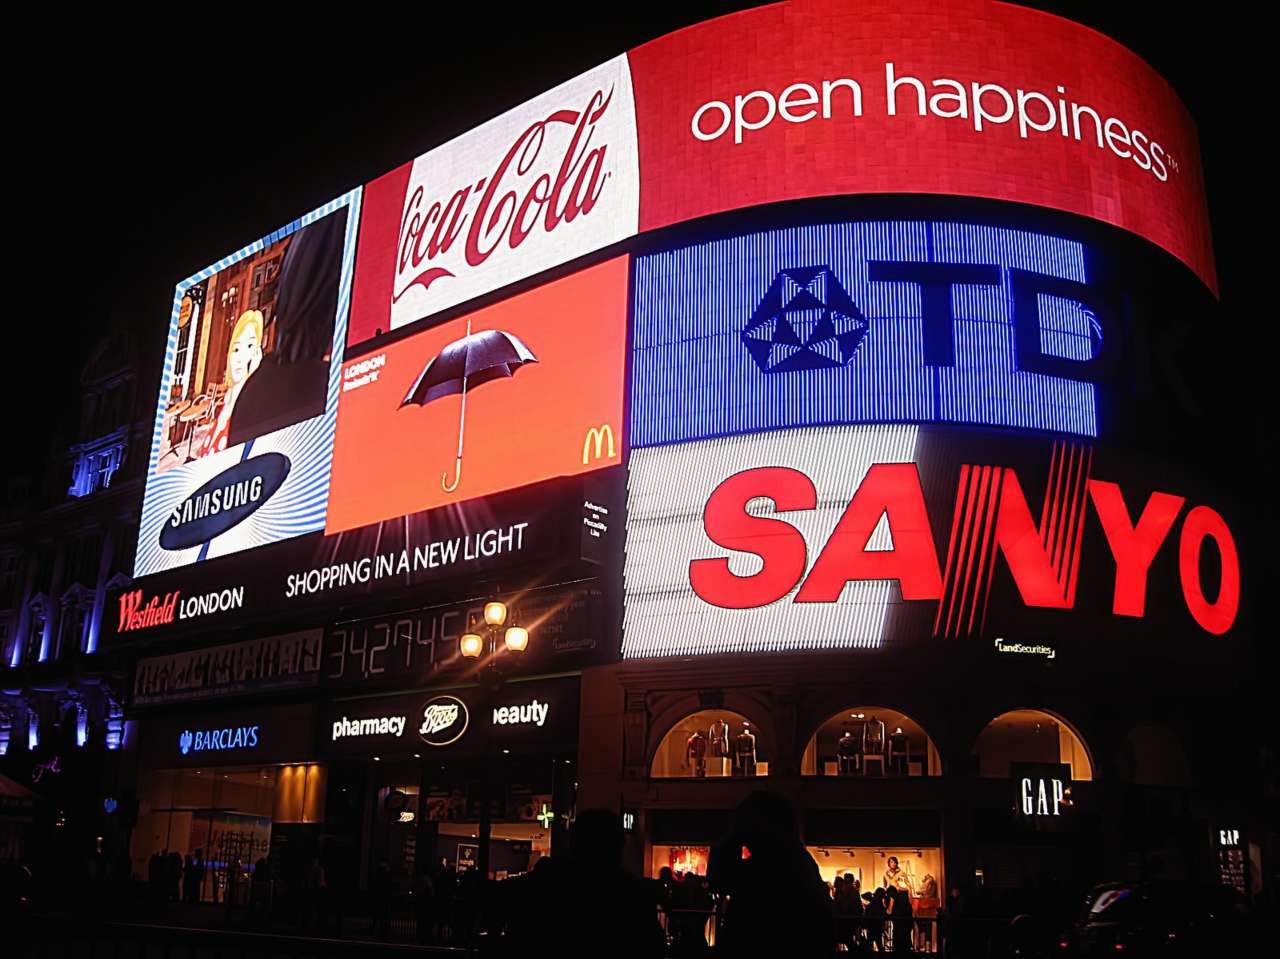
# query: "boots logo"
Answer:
x=228 y=499
x=444 y=720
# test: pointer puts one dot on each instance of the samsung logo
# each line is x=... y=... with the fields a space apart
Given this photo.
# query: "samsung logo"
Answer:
x=227 y=499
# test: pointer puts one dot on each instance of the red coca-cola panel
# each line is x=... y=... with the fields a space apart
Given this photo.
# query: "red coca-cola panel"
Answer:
x=793 y=100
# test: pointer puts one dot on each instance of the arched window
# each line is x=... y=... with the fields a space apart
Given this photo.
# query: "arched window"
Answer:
x=711 y=743
x=1030 y=736
x=1154 y=757
x=870 y=741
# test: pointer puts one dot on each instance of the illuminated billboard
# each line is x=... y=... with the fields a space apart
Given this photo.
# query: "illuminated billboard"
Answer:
x=244 y=423
x=857 y=536
x=783 y=102
x=542 y=184
x=869 y=322
x=952 y=97
x=525 y=390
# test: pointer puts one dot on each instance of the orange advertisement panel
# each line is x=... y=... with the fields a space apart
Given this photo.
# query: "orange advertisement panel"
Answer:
x=519 y=392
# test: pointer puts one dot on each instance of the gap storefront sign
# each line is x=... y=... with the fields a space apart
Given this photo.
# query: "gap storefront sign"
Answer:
x=538 y=714
x=229 y=738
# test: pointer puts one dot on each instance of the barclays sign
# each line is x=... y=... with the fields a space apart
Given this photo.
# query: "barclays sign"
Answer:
x=229 y=737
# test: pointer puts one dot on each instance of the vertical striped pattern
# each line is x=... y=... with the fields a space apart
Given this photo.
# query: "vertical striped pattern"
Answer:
x=299 y=505
x=970 y=562
x=693 y=378
x=667 y=492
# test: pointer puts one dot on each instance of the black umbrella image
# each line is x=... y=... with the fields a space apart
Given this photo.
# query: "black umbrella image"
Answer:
x=463 y=365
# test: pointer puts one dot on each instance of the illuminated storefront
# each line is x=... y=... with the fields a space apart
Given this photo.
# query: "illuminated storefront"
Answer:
x=415 y=770
x=239 y=791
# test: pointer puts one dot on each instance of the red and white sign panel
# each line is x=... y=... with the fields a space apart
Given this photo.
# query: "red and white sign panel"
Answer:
x=792 y=100
x=545 y=183
x=848 y=537
x=957 y=97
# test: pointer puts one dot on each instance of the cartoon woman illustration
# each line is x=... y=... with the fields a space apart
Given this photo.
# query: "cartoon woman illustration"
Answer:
x=244 y=355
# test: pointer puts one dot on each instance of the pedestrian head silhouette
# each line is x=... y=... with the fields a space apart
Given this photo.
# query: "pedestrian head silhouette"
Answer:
x=764 y=821
x=597 y=839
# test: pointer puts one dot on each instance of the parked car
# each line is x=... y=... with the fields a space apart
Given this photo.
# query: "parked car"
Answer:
x=1162 y=918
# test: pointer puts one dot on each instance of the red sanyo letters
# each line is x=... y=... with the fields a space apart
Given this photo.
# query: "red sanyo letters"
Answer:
x=894 y=490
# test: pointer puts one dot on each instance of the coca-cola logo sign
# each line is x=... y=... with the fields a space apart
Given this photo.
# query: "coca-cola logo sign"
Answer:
x=511 y=203
x=443 y=721
x=545 y=183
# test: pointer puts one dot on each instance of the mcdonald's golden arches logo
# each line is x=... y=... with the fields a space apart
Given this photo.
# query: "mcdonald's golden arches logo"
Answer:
x=598 y=434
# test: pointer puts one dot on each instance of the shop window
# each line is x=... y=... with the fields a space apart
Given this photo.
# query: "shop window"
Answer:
x=229 y=815
x=712 y=743
x=870 y=741
x=1030 y=736
x=1154 y=757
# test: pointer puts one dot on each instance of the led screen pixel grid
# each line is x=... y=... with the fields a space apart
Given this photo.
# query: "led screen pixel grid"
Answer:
x=298 y=505
x=694 y=376
x=667 y=492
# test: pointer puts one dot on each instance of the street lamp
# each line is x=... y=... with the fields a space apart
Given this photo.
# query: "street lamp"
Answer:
x=515 y=639
x=481 y=641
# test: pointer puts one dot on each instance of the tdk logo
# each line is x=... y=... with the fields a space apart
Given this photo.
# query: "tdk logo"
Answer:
x=229 y=498
x=805 y=322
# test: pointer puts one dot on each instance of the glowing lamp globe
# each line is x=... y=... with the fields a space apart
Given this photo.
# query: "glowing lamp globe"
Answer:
x=495 y=613
x=471 y=645
x=517 y=639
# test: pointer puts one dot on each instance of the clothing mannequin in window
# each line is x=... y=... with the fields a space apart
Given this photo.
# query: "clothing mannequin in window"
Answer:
x=848 y=752
x=898 y=752
x=895 y=878
x=695 y=753
x=744 y=749
x=719 y=739
x=928 y=887
x=873 y=742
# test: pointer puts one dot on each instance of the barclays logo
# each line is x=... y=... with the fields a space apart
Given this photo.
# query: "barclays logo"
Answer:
x=229 y=498
x=230 y=737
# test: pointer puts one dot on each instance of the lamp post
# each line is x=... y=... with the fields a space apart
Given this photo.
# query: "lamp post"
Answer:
x=490 y=642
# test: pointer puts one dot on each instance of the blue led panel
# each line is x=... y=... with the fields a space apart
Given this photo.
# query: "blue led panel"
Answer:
x=826 y=324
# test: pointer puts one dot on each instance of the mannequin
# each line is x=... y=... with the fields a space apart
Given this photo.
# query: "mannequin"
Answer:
x=873 y=736
x=848 y=753
x=898 y=752
x=744 y=748
x=895 y=878
x=695 y=753
x=928 y=887
x=719 y=736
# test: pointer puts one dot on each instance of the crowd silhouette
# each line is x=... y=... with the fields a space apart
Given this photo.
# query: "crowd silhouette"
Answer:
x=762 y=896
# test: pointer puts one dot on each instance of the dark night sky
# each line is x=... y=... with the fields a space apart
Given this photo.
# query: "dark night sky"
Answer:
x=141 y=151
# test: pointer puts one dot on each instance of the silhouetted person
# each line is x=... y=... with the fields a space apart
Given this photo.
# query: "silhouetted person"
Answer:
x=173 y=877
x=155 y=873
x=778 y=904
x=587 y=906
x=874 y=917
x=902 y=919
